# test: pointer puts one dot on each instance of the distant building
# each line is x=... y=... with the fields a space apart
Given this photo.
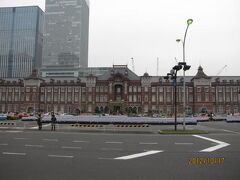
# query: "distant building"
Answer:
x=66 y=33
x=70 y=71
x=119 y=90
x=21 y=38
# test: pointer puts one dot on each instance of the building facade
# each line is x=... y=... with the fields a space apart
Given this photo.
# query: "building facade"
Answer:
x=21 y=39
x=66 y=33
x=119 y=90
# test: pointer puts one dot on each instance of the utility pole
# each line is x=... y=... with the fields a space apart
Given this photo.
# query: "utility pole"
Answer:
x=157 y=65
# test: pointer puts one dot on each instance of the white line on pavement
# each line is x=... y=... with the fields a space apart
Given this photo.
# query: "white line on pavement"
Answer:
x=50 y=140
x=69 y=147
x=20 y=138
x=76 y=141
x=60 y=156
x=210 y=149
x=137 y=155
x=12 y=153
x=110 y=142
x=30 y=145
x=36 y=127
x=183 y=143
x=231 y=131
x=148 y=143
x=4 y=144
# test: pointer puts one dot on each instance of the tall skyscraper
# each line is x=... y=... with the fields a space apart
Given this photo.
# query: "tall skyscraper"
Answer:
x=66 y=33
x=21 y=38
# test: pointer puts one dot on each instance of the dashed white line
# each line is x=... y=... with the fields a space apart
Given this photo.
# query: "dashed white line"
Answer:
x=111 y=142
x=76 y=141
x=4 y=144
x=30 y=145
x=137 y=155
x=20 y=138
x=70 y=147
x=146 y=143
x=50 y=140
x=12 y=153
x=36 y=127
x=231 y=131
x=219 y=145
x=60 y=156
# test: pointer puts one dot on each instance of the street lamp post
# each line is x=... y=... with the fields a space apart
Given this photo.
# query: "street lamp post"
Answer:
x=189 y=21
x=173 y=74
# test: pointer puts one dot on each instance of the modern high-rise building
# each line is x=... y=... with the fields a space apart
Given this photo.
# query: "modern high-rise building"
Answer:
x=66 y=33
x=21 y=39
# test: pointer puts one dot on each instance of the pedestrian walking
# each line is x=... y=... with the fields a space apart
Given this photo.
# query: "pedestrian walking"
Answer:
x=53 y=120
x=39 y=121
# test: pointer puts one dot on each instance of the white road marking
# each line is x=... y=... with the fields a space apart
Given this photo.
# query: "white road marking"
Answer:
x=20 y=138
x=111 y=149
x=36 y=127
x=12 y=131
x=137 y=155
x=50 y=140
x=110 y=142
x=183 y=143
x=60 y=156
x=69 y=147
x=12 y=153
x=231 y=131
x=30 y=145
x=76 y=141
x=148 y=143
x=219 y=145
x=4 y=144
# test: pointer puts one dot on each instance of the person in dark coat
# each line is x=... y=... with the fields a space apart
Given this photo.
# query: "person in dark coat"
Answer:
x=53 y=119
x=39 y=121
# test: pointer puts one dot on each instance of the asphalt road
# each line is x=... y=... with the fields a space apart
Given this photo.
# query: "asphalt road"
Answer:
x=71 y=153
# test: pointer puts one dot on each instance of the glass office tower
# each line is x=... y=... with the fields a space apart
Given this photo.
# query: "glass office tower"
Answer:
x=21 y=39
x=66 y=33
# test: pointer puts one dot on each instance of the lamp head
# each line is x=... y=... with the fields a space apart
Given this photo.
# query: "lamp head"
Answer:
x=178 y=40
x=189 y=21
x=177 y=67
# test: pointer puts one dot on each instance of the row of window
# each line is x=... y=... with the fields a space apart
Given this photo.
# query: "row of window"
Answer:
x=131 y=89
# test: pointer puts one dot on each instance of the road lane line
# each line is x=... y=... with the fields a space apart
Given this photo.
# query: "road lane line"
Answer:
x=230 y=131
x=50 y=140
x=60 y=156
x=36 y=127
x=148 y=143
x=4 y=144
x=111 y=142
x=219 y=145
x=183 y=143
x=76 y=141
x=12 y=153
x=137 y=155
x=30 y=145
x=70 y=147
x=20 y=138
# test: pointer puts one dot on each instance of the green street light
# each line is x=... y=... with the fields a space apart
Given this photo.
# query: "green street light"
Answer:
x=189 y=21
x=186 y=67
x=178 y=40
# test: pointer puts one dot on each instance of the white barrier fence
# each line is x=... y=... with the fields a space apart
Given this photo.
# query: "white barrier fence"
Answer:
x=233 y=118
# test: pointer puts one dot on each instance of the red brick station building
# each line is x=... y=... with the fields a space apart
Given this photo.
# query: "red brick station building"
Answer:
x=118 y=90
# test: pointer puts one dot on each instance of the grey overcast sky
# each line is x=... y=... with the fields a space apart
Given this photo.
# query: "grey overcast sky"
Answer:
x=145 y=30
